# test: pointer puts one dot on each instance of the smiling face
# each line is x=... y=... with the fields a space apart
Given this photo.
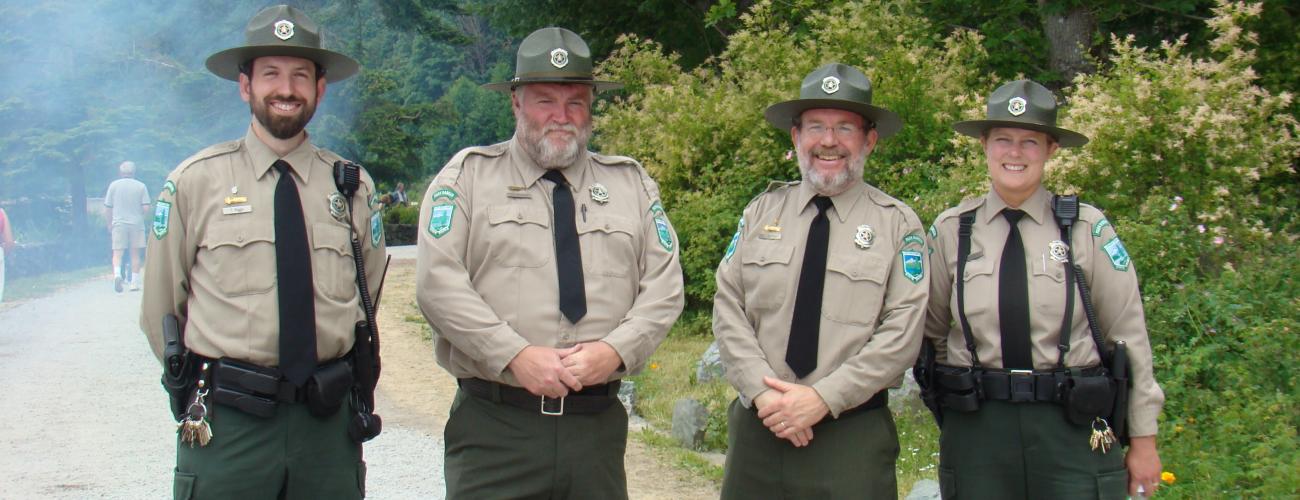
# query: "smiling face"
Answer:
x=832 y=145
x=553 y=121
x=1016 y=158
x=282 y=93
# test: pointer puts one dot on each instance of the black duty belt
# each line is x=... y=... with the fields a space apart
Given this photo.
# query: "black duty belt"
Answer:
x=590 y=400
x=257 y=389
x=1017 y=386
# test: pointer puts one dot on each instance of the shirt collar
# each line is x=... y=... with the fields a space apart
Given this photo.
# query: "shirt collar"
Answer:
x=1038 y=206
x=843 y=202
x=261 y=156
x=529 y=171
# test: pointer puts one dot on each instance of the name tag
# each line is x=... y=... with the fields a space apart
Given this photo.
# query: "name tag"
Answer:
x=240 y=209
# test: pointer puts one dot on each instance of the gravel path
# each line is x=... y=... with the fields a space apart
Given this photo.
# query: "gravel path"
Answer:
x=85 y=416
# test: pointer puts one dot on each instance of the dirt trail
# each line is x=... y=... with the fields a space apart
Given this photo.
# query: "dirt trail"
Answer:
x=415 y=393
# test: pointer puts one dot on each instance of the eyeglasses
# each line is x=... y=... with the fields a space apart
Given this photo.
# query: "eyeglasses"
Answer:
x=842 y=131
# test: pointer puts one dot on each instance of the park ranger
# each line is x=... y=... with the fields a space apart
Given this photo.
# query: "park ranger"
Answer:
x=549 y=273
x=821 y=294
x=251 y=248
x=1026 y=411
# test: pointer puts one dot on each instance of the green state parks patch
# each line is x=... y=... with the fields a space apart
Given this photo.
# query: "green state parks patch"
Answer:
x=162 y=212
x=934 y=233
x=1119 y=258
x=447 y=193
x=440 y=217
x=735 y=241
x=913 y=239
x=170 y=187
x=661 y=226
x=913 y=265
x=376 y=229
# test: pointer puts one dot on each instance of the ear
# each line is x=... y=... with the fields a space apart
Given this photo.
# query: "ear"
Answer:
x=320 y=89
x=872 y=137
x=794 y=136
x=514 y=100
x=1052 y=147
x=245 y=87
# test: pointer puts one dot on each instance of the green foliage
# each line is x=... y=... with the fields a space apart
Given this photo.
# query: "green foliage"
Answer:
x=702 y=134
x=402 y=214
x=670 y=376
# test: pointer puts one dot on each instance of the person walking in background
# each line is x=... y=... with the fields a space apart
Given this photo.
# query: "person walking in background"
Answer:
x=253 y=252
x=549 y=273
x=820 y=300
x=1026 y=381
x=128 y=203
x=6 y=246
x=399 y=195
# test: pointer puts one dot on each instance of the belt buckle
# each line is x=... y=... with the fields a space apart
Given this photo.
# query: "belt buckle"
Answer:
x=550 y=409
x=1022 y=385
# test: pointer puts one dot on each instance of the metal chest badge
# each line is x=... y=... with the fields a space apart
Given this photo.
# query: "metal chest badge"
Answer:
x=1058 y=251
x=338 y=207
x=599 y=194
x=559 y=58
x=865 y=237
x=283 y=29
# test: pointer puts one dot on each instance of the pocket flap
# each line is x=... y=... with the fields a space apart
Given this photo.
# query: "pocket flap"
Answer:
x=765 y=252
x=498 y=214
x=239 y=233
x=978 y=267
x=329 y=236
x=608 y=224
x=863 y=266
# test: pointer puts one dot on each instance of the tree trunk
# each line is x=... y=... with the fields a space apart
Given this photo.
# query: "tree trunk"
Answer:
x=1069 y=37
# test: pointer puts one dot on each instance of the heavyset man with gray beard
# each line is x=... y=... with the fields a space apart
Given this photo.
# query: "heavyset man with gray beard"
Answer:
x=548 y=273
x=820 y=301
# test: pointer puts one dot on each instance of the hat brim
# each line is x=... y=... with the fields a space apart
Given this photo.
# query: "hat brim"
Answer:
x=782 y=114
x=509 y=86
x=226 y=63
x=1066 y=138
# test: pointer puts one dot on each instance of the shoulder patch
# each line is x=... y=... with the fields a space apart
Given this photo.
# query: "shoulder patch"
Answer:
x=440 y=218
x=735 y=240
x=169 y=187
x=661 y=226
x=444 y=193
x=1096 y=228
x=913 y=265
x=1119 y=258
x=913 y=239
x=376 y=229
x=162 y=212
x=934 y=233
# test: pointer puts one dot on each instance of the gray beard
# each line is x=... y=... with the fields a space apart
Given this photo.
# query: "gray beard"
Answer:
x=831 y=184
x=546 y=154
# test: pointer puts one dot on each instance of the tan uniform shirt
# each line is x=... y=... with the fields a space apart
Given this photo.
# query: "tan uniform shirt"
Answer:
x=1105 y=264
x=872 y=305
x=486 y=271
x=212 y=252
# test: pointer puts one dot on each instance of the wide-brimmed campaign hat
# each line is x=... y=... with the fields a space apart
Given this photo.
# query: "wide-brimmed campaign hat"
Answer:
x=553 y=55
x=836 y=86
x=1022 y=104
x=282 y=31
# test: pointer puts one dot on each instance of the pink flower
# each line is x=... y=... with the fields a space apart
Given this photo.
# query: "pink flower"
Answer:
x=789 y=153
x=1200 y=228
x=1218 y=240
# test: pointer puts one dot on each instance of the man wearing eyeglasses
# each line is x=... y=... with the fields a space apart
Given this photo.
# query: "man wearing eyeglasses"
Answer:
x=821 y=296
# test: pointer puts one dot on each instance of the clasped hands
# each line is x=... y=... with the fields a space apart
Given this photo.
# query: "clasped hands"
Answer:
x=554 y=373
x=790 y=410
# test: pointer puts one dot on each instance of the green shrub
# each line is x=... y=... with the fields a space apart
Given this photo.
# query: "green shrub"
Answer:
x=402 y=214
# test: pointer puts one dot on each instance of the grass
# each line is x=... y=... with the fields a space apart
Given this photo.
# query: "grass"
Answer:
x=33 y=287
x=670 y=376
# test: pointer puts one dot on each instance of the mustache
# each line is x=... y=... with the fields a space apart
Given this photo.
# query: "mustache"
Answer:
x=284 y=98
x=569 y=127
x=836 y=151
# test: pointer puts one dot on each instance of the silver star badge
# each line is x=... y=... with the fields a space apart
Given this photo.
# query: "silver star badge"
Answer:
x=865 y=237
x=1058 y=251
x=338 y=207
x=283 y=29
x=1016 y=106
x=830 y=85
x=599 y=194
x=559 y=58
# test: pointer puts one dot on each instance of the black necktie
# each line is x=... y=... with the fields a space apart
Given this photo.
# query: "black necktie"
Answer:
x=801 y=351
x=568 y=255
x=293 y=268
x=1013 y=298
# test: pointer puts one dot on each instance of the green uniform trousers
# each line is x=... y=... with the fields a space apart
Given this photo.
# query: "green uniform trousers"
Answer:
x=850 y=457
x=494 y=450
x=1009 y=451
x=292 y=455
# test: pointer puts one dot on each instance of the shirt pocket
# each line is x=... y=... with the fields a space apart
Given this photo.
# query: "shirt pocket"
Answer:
x=519 y=236
x=855 y=288
x=607 y=245
x=766 y=265
x=240 y=256
x=981 y=289
x=332 y=267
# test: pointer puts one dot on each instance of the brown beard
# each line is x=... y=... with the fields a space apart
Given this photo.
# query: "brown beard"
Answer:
x=281 y=127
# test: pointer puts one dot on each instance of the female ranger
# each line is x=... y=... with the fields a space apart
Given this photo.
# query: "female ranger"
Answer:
x=1032 y=382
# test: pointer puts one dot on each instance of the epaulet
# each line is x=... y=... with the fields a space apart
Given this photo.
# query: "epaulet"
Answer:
x=327 y=156
x=775 y=185
x=212 y=151
x=965 y=205
x=614 y=160
x=1090 y=214
x=881 y=198
x=451 y=171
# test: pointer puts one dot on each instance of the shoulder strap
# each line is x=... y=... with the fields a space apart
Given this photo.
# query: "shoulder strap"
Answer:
x=963 y=253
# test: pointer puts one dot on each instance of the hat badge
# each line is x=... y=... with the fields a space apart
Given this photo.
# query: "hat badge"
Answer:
x=1016 y=106
x=830 y=85
x=559 y=58
x=283 y=29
